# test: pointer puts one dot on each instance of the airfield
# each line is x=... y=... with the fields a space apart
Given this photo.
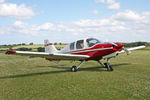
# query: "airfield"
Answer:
x=24 y=78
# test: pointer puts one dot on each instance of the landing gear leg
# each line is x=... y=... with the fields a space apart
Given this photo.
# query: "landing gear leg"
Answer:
x=103 y=64
x=106 y=65
x=109 y=68
x=74 y=68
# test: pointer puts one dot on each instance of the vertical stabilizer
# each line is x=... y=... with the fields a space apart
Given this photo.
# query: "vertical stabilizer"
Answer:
x=49 y=47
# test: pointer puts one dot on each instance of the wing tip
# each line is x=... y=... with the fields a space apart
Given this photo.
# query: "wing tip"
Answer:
x=10 y=52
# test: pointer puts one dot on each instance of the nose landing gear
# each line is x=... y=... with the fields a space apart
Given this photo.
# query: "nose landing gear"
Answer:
x=106 y=65
x=109 y=68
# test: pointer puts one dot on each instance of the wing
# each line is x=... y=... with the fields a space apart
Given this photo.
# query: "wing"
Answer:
x=134 y=48
x=48 y=55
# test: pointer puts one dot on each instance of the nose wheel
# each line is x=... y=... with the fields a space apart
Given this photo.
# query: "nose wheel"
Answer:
x=106 y=65
x=109 y=68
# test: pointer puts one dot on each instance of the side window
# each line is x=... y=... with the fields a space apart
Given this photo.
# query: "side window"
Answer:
x=72 y=46
x=80 y=44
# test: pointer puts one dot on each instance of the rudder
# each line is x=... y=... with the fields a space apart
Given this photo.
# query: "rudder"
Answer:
x=49 y=47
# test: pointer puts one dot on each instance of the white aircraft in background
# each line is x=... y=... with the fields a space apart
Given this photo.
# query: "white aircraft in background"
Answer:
x=81 y=50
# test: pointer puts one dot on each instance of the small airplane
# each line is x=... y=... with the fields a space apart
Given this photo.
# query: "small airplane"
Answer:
x=81 y=50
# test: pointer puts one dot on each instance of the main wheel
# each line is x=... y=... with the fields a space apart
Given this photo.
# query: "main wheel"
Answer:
x=111 y=68
x=108 y=68
x=74 y=69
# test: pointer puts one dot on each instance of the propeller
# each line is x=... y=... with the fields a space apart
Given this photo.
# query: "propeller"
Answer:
x=126 y=50
x=120 y=46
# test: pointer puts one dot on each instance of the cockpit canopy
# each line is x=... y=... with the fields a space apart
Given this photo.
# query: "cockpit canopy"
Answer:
x=92 y=41
x=85 y=43
x=81 y=44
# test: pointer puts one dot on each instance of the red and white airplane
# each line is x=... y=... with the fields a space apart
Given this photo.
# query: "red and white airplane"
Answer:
x=81 y=50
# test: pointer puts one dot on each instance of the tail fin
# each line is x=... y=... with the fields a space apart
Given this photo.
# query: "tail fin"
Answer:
x=49 y=47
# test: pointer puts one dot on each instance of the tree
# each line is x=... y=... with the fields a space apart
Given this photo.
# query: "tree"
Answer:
x=31 y=43
x=24 y=49
x=55 y=43
x=40 y=49
x=23 y=44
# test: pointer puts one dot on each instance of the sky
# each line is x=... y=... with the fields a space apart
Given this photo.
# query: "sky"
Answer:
x=25 y=21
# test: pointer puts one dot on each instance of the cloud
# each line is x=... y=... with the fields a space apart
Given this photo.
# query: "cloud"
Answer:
x=100 y=1
x=1 y=1
x=114 y=6
x=124 y=26
x=43 y=27
x=46 y=26
x=110 y=1
x=24 y=28
x=16 y=11
x=111 y=4
x=19 y=24
x=89 y=22
x=127 y=15
x=95 y=12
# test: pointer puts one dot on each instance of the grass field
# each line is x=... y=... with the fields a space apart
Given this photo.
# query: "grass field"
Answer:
x=23 y=78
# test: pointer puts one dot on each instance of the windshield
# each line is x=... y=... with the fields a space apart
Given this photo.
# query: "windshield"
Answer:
x=92 y=41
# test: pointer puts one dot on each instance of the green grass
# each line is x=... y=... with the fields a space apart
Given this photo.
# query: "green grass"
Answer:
x=24 y=78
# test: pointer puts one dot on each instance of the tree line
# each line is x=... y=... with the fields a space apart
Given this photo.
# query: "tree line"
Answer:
x=42 y=49
x=133 y=44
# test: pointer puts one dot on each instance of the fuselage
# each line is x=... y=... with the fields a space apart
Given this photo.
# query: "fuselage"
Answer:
x=91 y=47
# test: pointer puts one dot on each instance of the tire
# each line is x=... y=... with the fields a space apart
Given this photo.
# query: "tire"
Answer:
x=74 y=69
x=111 y=68
x=105 y=65
x=108 y=68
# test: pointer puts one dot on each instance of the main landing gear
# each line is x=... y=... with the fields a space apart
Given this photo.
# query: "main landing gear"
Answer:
x=74 y=68
x=106 y=65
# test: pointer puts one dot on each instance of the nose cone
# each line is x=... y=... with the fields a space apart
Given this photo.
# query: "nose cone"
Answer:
x=118 y=46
